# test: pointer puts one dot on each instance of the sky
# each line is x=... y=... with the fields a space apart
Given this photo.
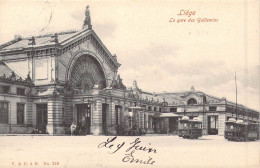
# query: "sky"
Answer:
x=159 y=54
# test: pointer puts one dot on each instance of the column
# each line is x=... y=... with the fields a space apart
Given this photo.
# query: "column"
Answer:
x=141 y=119
x=221 y=124
x=122 y=113
x=68 y=111
x=112 y=117
x=113 y=114
x=203 y=117
x=96 y=127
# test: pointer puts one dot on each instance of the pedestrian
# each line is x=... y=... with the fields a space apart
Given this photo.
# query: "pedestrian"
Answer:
x=72 y=128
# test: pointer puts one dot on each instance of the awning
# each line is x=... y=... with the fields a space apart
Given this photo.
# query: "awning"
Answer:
x=166 y=115
x=190 y=114
x=136 y=108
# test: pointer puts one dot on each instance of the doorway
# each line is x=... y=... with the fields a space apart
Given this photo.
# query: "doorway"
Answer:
x=83 y=118
x=104 y=117
x=173 y=125
x=213 y=125
x=41 y=117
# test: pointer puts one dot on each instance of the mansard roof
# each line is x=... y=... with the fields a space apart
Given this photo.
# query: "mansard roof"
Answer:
x=41 y=40
x=64 y=39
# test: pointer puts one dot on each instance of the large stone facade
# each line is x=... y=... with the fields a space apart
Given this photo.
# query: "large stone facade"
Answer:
x=47 y=82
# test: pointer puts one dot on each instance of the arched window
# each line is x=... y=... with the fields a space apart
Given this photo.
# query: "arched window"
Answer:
x=86 y=73
x=192 y=101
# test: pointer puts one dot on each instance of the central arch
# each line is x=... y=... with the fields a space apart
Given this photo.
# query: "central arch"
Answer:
x=87 y=72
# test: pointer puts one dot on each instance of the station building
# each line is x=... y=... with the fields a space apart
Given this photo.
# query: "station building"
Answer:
x=51 y=81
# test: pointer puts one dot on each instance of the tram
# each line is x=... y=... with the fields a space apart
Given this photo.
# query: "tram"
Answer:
x=189 y=128
x=238 y=130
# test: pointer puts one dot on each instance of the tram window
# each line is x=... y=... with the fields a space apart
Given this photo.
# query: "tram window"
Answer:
x=197 y=125
x=231 y=127
x=180 y=126
x=185 y=125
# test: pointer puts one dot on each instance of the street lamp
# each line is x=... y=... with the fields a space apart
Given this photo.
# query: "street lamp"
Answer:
x=131 y=114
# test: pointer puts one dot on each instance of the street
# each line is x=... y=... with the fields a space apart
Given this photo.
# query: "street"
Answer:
x=141 y=151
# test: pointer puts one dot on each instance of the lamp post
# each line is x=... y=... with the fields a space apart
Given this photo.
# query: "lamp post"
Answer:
x=131 y=114
x=164 y=104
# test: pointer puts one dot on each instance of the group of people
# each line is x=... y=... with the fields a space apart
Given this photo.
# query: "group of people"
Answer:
x=79 y=129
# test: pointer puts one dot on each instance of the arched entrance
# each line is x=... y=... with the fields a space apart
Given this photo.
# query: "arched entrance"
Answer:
x=84 y=75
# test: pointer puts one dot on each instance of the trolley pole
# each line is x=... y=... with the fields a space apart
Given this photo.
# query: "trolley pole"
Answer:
x=236 y=94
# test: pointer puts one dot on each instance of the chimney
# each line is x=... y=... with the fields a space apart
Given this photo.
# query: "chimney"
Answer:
x=17 y=37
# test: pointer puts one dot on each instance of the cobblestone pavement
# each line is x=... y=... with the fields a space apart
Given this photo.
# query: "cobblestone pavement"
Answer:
x=83 y=151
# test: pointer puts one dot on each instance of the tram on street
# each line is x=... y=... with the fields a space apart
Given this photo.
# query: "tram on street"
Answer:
x=238 y=130
x=189 y=128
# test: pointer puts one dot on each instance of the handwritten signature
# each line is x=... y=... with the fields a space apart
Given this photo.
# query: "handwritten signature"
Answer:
x=134 y=146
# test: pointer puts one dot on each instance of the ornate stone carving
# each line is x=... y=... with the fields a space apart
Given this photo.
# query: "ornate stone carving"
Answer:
x=117 y=83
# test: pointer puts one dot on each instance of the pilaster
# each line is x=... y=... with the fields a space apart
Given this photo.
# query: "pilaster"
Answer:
x=55 y=116
x=221 y=124
x=96 y=127
x=203 y=117
x=29 y=111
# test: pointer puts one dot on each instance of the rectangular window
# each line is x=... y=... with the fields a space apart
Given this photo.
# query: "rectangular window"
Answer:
x=149 y=108
x=212 y=108
x=20 y=113
x=154 y=109
x=160 y=109
x=20 y=91
x=173 y=109
x=4 y=89
x=4 y=112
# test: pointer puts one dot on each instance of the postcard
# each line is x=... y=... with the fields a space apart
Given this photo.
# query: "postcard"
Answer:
x=131 y=83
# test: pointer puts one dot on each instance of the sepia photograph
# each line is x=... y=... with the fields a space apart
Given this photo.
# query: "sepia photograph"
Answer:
x=129 y=83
